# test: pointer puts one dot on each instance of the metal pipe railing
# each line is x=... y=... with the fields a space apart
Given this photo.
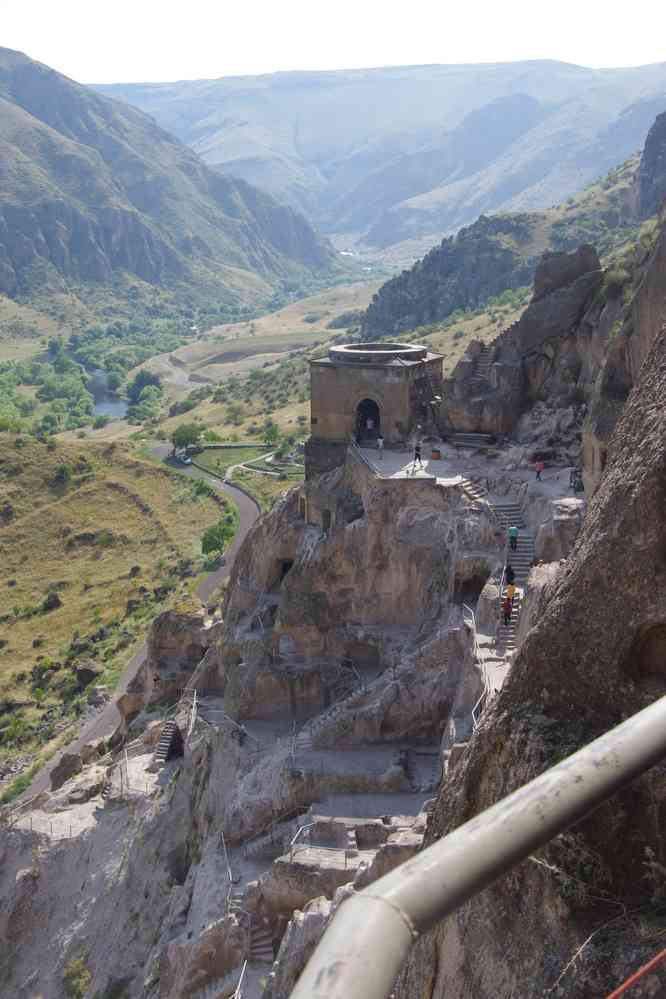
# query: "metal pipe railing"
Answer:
x=370 y=936
x=238 y=994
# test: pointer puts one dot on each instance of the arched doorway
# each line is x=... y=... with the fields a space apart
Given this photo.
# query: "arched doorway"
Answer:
x=367 y=421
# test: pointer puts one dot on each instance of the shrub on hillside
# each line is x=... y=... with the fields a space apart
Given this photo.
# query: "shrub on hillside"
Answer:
x=615 y=280
x=76 y=979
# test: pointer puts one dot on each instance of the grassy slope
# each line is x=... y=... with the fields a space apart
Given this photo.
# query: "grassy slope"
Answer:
x=218 y=460
x=152 y=518
x=452 y=337
x=266 y=489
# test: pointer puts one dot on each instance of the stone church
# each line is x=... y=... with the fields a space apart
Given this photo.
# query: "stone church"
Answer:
x=366 y=390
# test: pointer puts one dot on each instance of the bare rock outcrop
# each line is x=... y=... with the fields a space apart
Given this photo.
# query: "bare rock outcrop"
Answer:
x=541 y=353
x=652 y=172
x=591 y=659
x=177 y=642
x=67 y=766
x=633 y=330
x=557 y=534
x=381 y=576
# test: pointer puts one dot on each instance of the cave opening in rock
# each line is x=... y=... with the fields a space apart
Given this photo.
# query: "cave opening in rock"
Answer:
x=286 y=565
x=647 y=659
x=367 y=420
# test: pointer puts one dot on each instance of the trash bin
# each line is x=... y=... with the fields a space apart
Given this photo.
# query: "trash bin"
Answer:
x=436 y=454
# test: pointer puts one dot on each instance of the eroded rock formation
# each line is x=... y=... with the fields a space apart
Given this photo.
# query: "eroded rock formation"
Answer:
x=589 y=661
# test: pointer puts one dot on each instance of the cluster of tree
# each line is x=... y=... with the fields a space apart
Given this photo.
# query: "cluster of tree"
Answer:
x=120 y=346
x=144 y=395
x=215 y=539
x=62 y=387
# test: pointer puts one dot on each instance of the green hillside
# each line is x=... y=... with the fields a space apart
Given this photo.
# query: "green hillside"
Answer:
x=100 y=204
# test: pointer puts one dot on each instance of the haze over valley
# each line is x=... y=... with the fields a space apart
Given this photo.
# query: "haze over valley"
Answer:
x=332 y=503
x=393 y=159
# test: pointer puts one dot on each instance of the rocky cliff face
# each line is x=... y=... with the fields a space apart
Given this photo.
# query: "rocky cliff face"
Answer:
x=551 y=353
x=558 y=379
x=394 y=553
x=591 y=659
x=93 y=188
x=463 y=272
x=500 y=252
x=629 y=325
x=652 y=173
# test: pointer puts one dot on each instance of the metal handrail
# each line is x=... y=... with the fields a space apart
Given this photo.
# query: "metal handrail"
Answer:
x=276 y=820
x=238 y=994
x=193 y=716
x=308 y=825
x=367 y=942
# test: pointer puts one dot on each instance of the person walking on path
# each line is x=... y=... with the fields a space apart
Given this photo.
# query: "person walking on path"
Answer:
x=380 y=447
x=509 y=573
x=507 y=607
x=511 y=592
x=417 y=456
x=513 y=538
x=539 y=467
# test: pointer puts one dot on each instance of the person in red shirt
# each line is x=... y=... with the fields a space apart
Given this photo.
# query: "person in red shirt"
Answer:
x=539 y=467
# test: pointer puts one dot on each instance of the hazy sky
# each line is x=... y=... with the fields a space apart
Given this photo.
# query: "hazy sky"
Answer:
x=123 y=40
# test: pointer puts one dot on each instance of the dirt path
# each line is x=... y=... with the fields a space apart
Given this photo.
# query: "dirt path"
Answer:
x=108 y=719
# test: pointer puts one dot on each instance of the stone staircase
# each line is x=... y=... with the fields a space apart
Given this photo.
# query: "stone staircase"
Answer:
x=471 y=441
x=511 y=515
x=164 y=745
x=304 y=743
x=481 y=377
x=507 y=633
x=236 y=897
x=261 y=945
x=475 y=489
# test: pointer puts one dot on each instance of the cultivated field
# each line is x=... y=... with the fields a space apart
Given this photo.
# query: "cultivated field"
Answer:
x=237 y=348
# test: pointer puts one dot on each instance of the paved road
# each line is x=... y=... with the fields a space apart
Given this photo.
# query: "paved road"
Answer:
x=108 y=719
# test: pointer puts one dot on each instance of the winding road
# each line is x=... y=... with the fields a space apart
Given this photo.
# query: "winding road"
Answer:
x=107 y=720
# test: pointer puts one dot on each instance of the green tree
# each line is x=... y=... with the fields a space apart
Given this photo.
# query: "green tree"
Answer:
x=76 y=979
x=271 y=431
x=215 y=538
x=63 y=475
x=235 y=413
x=141 y=381
x=185 y=435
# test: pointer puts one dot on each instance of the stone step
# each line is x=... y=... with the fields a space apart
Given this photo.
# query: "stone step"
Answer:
x=261 y=946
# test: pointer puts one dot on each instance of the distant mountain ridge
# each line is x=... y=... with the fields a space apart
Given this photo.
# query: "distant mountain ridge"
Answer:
x=400 y=153
x=500 y=252
x=91 y=188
